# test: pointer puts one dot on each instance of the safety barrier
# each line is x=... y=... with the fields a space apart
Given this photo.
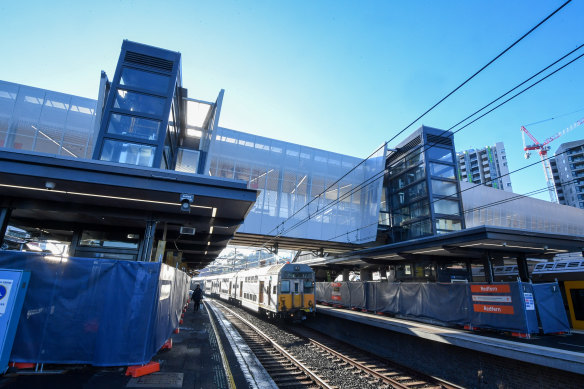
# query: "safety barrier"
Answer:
x=95 y=311
x=514 y=306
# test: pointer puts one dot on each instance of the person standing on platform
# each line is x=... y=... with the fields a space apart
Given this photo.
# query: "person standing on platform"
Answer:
x=197 y=296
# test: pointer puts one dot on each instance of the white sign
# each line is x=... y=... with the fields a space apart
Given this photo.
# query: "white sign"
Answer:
x=492 y=299
x=529 y=302
x=5 y=286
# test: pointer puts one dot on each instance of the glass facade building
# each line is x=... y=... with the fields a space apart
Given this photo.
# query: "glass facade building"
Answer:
x=302 y=192
x=422 y=194
x=39 y=120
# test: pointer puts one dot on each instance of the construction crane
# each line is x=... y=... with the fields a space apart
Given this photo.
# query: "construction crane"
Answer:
x=542 y=149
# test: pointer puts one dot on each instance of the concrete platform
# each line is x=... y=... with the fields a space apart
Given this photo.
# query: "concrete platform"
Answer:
x=195 y=361
x=563 y=352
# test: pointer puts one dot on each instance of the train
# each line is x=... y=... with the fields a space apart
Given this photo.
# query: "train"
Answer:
x=282 y=291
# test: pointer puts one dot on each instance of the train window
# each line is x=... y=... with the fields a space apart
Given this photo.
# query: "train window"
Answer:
x=578 y=302
x=285 y=287
x=296 y=285
x=308 y=286
x=275 y=289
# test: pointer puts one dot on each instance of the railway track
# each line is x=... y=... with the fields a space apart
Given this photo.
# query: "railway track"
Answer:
x=385 y=372
x=303 y=355
x=286 y=370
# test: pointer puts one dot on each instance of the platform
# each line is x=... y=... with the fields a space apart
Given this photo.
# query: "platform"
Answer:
x=563 y=352
x=194 y=361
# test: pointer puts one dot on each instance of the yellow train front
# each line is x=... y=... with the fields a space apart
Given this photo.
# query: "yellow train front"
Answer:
x=280 y=291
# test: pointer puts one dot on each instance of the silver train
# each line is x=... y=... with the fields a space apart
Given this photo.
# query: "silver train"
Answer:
x=284 y=291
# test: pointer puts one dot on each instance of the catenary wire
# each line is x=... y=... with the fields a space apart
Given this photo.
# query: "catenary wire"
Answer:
x=432 y=107
x=380 y=173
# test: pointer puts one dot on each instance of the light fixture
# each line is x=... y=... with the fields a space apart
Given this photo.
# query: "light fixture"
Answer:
x=50 y=185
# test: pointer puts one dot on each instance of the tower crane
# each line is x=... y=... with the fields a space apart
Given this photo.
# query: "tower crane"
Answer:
x=542 y=149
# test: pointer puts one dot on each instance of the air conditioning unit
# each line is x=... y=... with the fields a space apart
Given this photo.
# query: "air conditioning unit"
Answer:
x=187 y=230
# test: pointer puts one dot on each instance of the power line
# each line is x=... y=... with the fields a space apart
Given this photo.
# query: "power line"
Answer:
x=425 y=113
x=380 y=173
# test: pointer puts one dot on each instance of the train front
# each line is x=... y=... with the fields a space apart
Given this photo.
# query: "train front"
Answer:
x=297 y=288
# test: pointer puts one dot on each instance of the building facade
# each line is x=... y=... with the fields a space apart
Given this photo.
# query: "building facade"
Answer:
x=568 y=172
x=486 y=166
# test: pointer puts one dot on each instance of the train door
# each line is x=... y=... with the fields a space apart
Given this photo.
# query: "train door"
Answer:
x=229 y=289
x=270 y=292
x=296 y=290
x=240 y=289
x=261 y=299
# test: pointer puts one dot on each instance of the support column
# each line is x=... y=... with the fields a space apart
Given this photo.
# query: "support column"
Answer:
x=346 y=273
x=365 y=275
x=522 y=268
x=488 y=265
x=4 y=217
x=148 y=240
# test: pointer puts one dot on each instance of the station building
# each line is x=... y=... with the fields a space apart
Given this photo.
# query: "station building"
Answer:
x=145 y=172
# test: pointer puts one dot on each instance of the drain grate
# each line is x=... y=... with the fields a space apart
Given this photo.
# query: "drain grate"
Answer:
x=157 y=380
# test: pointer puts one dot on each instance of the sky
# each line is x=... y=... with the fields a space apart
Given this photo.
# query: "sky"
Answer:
x=343 y=76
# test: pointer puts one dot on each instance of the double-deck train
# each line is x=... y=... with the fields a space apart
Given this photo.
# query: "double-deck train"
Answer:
x=283 y=291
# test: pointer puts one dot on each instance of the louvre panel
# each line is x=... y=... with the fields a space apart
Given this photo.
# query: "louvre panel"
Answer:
x=403 y=150
x=148 y=60
x=443 y=140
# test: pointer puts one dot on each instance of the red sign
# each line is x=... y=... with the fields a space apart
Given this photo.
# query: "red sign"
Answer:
x=336 y=293
x=490 y=288
x=500 y=309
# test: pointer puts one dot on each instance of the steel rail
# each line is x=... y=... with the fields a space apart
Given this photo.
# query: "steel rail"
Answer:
x=371 y=371
x=281 y=350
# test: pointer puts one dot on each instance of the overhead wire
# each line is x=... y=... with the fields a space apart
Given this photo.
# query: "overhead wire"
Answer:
x=379 y=174
x=428 y=110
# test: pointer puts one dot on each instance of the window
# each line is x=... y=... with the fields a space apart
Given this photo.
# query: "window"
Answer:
x=285 y=287
x=138 y=102
x=448 y=207
x=444 y=225
x=126 y=152
x=145 y=80
x=132 y=126
x=443 y=188
x=440 y=154
x=440 y=170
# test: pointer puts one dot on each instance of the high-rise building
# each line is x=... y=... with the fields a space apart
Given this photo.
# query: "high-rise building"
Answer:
x=568 y=171
x=487 y=166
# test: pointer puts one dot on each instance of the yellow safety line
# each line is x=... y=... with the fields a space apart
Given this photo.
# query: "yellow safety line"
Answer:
x=230 y=380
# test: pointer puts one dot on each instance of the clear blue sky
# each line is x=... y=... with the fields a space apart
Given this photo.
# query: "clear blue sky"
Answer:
x=344 y=76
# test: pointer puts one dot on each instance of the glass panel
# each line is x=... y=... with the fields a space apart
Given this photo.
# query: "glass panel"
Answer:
x=406 y=195
x=414 y=210
x=443 y=188
x=103 y=239
x=440 y=154
x=133 y=126
x=285 y=287
x=145 y=80
x=437 y=169
x=448 y=225
x=138 y=102
x=448 y=207
x=130 y=153
x=412 y=159
x=408 y=178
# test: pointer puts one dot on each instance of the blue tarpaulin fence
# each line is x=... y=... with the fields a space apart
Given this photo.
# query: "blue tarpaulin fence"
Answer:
x=95 y=311
x=513 y=306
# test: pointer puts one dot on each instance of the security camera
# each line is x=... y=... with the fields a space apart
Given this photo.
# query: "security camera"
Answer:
x=185 y=202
